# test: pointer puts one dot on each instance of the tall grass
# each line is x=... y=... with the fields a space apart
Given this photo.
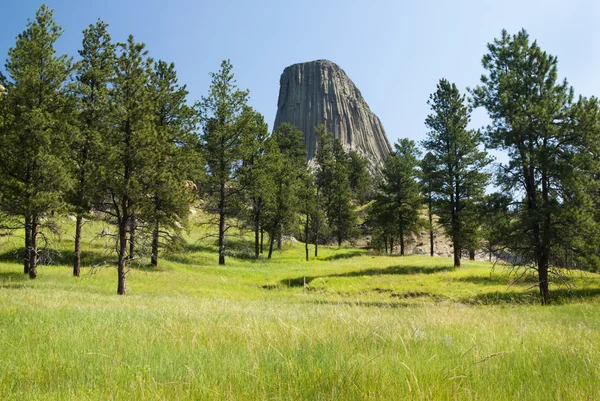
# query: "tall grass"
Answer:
x=348 y=326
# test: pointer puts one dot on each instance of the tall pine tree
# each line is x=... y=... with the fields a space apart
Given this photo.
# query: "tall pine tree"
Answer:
x=531 y=112
x=33 y=142
x=94 y=73
x=128 y=149
x=459 y=180
x=225 y=118
x=175 y=159
x=400 y=189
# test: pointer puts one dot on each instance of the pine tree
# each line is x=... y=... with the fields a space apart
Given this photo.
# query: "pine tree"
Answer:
x=360 y=179
x=530 y=113
x=460 y=178
x=288 y=161
x=400 y=189
x=381 y=221
x=33 y=141
x=94 y=72
x=225 y=118
x=129 y=148
x=334 y=185
x=308 y=205
x=175 y=159
x=255 y=178
x=428 y=169
x=495 y=222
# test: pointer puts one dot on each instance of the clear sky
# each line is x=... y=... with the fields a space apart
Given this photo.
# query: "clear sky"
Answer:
x=394 y=51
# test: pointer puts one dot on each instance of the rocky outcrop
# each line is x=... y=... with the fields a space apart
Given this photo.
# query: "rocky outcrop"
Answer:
x=320 y=92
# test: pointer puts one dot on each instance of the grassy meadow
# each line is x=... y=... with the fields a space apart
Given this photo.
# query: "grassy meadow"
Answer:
x=349 y=326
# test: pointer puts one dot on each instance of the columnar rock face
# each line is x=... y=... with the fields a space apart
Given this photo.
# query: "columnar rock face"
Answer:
x=320 y=92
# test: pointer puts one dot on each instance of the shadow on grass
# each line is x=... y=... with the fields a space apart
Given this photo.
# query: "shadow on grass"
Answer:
x=13 y=276
x=391 y=270
x=347 y=255
x=369 y=304
x=557 y=296
x=88 y=258
x=485 y=280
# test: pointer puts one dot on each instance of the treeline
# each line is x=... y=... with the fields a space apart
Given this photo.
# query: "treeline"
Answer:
x=113 y=133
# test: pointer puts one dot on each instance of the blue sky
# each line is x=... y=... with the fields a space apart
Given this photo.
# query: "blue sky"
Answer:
x=394 y=51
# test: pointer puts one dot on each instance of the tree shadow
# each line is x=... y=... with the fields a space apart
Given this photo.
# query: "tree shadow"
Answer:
x=369 y=304
x=60 y=258
x=557 y=296
x=485 y=280
x=346 y=255
x=390 y=270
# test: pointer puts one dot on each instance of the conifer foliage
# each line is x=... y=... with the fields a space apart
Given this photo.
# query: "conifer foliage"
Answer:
x=33 y=142
x=458 y=179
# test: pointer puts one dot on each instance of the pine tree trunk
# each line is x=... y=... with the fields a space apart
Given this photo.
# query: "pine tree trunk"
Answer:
x=471 y=254
x=543 y=267
x=27 y=254
x=122 y=255
x=77 y=258
x=385 y=243
x=154 y=251
x=256 y=233
x=431 y=250
x=401 y=241
x=262 y=237
x=34 y=248
x=132 y=238
x=306 y=232
x=544 y=253
x=391 y=244
x=316 y=244
x=271 y=242
x=457 y=252
x=222 y=223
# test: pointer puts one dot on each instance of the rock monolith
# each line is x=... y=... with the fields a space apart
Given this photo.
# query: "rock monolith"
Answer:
x=320 y=92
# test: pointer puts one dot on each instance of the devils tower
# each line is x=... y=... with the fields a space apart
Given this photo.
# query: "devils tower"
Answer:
x=320 y=92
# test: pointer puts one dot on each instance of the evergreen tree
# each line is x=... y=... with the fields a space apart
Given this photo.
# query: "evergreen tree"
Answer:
x=584 y=240
x=225 y=118
x=323 y=176
x=360 y=179
x=94 y=72
x=175 y=159
x=459 y=181
x=255 y=177
x=495 y=222
x=308 y=205
x=530 y=113
x=401 y=196
x=288 y=157
x=334 y=185
x=33 y=140
x=381 y=221
x=428 y=170
x=129 y=148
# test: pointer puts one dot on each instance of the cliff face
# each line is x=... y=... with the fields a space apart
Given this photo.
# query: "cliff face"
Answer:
x=320 y=92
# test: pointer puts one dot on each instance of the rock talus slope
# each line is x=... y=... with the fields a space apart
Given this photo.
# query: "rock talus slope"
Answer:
x=320 y=92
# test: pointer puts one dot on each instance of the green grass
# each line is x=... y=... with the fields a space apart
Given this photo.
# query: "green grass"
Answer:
x=348 y=326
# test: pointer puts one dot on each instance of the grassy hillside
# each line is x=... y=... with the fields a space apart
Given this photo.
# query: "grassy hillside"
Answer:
x=347 y=326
